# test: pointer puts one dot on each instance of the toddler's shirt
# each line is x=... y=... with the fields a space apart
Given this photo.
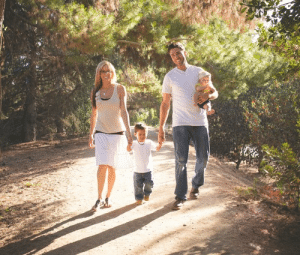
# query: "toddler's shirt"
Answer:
x=142 y=155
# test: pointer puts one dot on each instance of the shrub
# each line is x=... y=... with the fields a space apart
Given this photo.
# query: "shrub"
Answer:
x=284 y=167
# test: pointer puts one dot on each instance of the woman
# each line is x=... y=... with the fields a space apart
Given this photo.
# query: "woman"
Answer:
x=109 y=121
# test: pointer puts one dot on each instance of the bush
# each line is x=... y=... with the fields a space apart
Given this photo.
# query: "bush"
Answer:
x=284 y=167
x=267 y=115
x=147 y=116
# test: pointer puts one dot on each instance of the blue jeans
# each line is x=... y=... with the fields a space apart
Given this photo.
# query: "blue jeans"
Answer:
x=182 y=135
x=143 y=184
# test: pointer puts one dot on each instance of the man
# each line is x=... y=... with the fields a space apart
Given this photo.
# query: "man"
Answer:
x=189 y=122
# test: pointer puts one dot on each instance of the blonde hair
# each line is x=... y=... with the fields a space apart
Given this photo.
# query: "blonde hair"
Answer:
x=203 y=74
x=98 y=81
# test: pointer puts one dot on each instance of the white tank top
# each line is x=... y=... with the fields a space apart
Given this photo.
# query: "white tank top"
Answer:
x=109 y=118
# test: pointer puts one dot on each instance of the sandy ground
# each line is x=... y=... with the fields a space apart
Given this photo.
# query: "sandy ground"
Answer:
x=48 y=188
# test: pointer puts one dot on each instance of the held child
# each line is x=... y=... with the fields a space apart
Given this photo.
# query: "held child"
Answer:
x=143 y=165
x=204 y=87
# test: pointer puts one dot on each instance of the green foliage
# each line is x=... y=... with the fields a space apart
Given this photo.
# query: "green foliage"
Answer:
x=138 y=80
x=283 y=35
x=147 y=116
x=235 y=62
x=283 y=166
x=144 y=94
x=272 y=114
x=73 y=37
x=288 y=47
x=81 y=30
x=268 y=115
x=250 y=192
x=228 y=129
x=283 y=15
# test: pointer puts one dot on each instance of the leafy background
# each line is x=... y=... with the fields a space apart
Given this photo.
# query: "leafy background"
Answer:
x=50 y=50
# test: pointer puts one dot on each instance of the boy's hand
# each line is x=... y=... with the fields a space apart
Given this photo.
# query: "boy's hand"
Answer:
x=129 y=147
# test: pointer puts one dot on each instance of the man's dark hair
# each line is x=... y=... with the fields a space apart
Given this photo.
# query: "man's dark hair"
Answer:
x=140 y=126
x=175 y=45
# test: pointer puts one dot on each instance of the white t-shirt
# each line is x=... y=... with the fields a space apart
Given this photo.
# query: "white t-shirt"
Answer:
x=181 y=85
x=142 y=156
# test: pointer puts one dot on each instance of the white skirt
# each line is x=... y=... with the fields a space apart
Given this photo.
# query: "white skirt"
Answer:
x=111 y=149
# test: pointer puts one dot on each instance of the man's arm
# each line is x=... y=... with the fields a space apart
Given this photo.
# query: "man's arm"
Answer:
x=206 y=96
x=164 y=113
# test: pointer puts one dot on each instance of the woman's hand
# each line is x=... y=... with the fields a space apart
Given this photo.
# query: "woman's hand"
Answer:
x=91 y=142
x=129 y=139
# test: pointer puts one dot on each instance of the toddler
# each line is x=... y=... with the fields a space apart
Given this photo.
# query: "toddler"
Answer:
x=204 y=87
x=143 y=165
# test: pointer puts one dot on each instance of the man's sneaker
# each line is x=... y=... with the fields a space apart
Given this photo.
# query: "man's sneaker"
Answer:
x=194 y=194
x=177 y=204
x=146 y=198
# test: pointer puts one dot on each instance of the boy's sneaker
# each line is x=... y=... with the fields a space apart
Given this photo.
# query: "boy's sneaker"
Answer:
x=139 y=202
x=146 y=198
x=194 y=194
x=177 y=204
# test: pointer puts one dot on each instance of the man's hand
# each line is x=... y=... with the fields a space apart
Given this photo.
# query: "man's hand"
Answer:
x=158 y=147
x=203 y=97
x=161 y=136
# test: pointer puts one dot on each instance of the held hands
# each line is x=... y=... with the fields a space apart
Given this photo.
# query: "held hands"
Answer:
x=130 y=140
x=129 y=149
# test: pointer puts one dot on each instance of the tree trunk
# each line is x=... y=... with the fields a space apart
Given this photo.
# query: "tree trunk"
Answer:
x=59 y=125
x=2 y=8
x=30 y=104
x=30 y=115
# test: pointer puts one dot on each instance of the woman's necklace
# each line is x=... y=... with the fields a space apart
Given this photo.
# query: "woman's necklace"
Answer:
x=104 y=92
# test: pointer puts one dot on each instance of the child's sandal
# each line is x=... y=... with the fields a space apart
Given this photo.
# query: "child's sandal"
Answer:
x=107 y=202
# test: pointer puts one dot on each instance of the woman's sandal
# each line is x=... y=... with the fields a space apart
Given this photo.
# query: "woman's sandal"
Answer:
x=98 y=203
x=107 y=202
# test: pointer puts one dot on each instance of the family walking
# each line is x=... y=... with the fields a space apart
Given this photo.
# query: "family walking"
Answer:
x=191 y=90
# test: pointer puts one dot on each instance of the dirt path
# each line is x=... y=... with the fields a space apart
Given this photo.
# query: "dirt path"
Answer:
x=47 y=190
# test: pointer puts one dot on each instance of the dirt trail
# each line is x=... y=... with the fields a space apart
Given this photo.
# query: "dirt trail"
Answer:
x=47 y=190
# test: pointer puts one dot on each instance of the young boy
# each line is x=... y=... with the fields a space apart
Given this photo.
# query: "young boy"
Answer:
x=204 y=87
x=143 y=166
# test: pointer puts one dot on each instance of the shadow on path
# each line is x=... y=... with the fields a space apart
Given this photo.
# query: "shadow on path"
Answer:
x=37 y=242
x=94 y=241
